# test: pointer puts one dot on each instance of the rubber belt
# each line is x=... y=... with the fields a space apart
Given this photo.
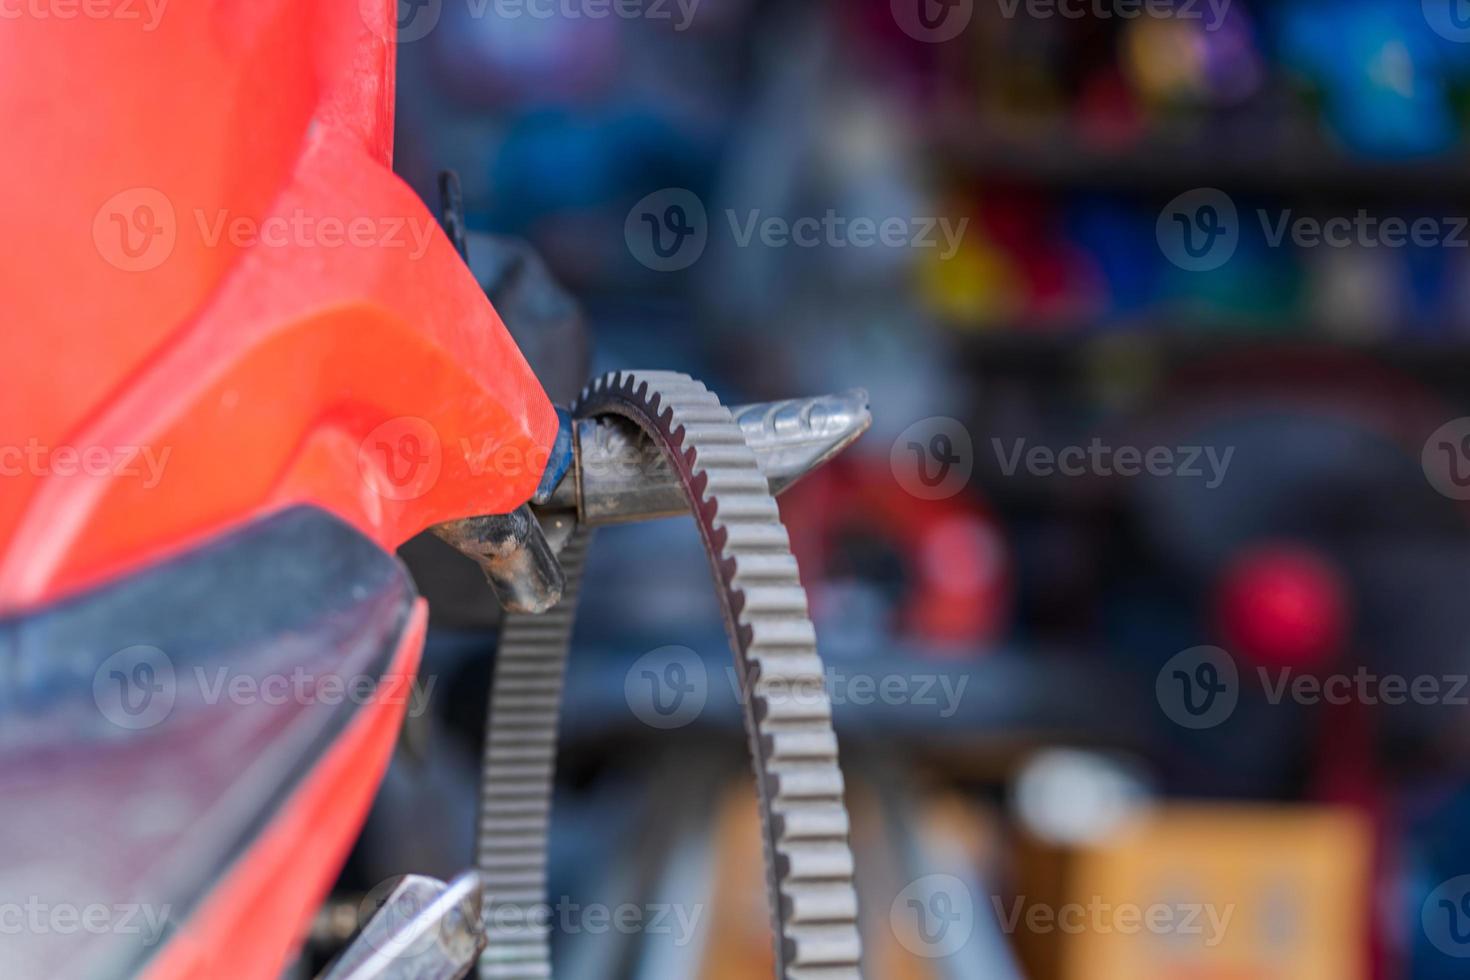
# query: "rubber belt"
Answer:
x=809 y=864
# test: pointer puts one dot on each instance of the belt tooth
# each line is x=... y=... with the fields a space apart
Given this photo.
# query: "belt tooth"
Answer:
x=789 y=781
x=541 y=752
x=765 y=568
x=547 y=684
x=823 y=945
x=506 y=807
x=713 y=434
x=791 y=706
x=709 y=457
x=697 y=412
x=782 y=633
x=804 y=820
x=518 y=971
x=821 y=744
x=537 y=720
x=780 y=663
x=544 y=702
x=816 y=860
x=745 y=507
x=814 y=902
x=515 y=770
x=774 y=600
x=738 y=482
x=509 y=878
x=519 y=845
x=509 y=825
x=756 y=537
x=793 y=697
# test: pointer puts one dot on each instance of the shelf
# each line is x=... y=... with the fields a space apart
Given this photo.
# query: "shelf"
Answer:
x=1164 y=165
x=1162 y=338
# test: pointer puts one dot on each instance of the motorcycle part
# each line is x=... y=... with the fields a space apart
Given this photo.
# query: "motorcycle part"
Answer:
x=198 y=743
x=809 y=864
x=515 y=556
x=278 y=322
x=623 y=475
x=227 y=306
x=426 y=930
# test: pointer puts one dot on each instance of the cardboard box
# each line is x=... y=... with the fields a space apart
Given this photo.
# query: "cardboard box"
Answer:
x=1200 y=893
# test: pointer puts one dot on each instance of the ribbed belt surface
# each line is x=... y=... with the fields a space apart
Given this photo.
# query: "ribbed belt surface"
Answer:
x=809 y=865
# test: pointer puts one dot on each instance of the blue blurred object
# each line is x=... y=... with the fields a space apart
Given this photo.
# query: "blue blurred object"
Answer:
x=1436 y=822
x=1430 y=279
x=1260 y=285
x=519 y=57
x=1381 y=69
x=1121 y=240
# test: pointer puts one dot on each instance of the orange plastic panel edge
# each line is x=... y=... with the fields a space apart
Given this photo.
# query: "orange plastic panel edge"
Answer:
x=259 y=912
x=222 y=301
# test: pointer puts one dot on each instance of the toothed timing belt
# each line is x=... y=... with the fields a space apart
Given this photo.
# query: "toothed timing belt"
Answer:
x=809 y=865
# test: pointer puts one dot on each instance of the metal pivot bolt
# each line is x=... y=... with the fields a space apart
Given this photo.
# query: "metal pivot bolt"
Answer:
x=515 y=555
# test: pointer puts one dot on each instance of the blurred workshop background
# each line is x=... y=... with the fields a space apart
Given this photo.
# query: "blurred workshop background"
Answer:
x=1191 y=712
